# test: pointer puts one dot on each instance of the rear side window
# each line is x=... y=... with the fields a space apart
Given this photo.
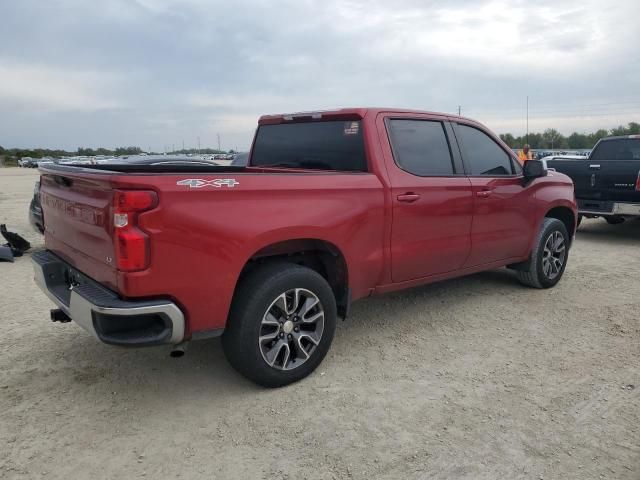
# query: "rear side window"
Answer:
x=619 y=149
x=420 y=147
x=334 y=145
x=482 y=154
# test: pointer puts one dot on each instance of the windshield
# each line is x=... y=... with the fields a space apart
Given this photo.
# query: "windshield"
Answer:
x=333 y=145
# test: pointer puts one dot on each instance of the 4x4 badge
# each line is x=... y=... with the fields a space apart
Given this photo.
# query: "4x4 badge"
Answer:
x=217 y=183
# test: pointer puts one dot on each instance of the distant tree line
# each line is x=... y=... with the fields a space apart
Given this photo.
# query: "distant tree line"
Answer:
x=18 y=153
x=57 y=153
x=90 y=152
x=554 y=140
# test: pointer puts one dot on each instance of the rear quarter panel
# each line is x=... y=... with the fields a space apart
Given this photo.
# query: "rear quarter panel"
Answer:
x=203 y=237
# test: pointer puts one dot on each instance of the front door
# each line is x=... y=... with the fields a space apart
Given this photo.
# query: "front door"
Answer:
x=503 y=219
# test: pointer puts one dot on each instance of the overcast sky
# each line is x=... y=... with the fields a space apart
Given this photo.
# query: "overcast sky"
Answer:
x=153 y=73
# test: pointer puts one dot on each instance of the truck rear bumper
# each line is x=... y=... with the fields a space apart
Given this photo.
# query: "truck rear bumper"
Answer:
x=101 y=312
x=590 y=207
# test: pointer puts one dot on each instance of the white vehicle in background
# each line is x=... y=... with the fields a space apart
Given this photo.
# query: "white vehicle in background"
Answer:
x=560 y=157
x=27 y=162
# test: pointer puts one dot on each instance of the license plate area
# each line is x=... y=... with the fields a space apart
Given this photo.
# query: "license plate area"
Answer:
x=61 y=279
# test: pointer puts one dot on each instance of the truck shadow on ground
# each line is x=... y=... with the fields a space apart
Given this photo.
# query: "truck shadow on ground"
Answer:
x=627 y=233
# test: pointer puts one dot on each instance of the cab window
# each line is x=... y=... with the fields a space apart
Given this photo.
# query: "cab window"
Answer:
x=482 y=155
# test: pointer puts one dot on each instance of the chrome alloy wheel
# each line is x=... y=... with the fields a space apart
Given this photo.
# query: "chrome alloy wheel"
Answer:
x=291 y=329
x=554 y=255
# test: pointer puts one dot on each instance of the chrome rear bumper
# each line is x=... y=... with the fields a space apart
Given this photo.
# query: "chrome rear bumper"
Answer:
x=622 y=209
x=101 y=312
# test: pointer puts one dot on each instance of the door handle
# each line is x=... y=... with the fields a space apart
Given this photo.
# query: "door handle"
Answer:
x=594 y=167
x=483 y=193
x=408 y=197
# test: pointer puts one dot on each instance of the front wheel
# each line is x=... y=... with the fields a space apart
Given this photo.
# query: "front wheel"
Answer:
x=281 y=324
x=549 y=256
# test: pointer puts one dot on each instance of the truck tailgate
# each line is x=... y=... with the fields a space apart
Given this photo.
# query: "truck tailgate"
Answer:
x=580 y=172
x=617 y=180
x=77 y=210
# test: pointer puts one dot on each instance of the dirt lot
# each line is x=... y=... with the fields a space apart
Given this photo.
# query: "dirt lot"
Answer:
x=472 y=378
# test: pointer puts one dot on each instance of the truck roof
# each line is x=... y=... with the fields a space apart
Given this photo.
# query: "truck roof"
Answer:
x=620 y=137
x=351 y=113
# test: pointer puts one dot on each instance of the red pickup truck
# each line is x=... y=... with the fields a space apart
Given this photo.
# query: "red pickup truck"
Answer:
x=332 y=207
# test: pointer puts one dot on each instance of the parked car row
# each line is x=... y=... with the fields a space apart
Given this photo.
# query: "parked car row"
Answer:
x=28 y=162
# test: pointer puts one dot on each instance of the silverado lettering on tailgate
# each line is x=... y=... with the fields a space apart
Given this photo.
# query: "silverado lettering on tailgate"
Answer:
x=83 y=213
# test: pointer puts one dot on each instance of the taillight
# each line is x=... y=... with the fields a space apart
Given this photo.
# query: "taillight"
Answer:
x=131 y=243
x=638 y=183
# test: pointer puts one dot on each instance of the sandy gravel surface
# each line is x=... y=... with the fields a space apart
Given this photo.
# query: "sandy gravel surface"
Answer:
x=477 y=378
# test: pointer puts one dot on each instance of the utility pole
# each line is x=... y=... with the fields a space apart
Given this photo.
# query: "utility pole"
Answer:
x=183 y=145
x=527 y=119
x=219 y=149
x=198 y=145
x=459 y=110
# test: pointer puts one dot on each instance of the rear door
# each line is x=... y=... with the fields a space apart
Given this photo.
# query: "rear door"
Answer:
x=432 y=202
x=503 y=220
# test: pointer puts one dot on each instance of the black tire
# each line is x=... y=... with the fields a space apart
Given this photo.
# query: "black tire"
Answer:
x=255 y=296
x=532 y=273
x=613 y=220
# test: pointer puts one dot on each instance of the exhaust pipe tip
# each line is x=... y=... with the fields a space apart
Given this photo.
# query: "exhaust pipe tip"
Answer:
x=179 y=350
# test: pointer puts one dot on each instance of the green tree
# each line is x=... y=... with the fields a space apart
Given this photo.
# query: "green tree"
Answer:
x=634 y=128
x=508 y=139
x=619 y=131
x=128 y=151
x=534 y=140
x=578 y=140
x=553 y=138
x=594 y=137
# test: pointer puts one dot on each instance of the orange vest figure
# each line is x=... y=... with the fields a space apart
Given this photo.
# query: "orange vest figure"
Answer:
x=525 y=154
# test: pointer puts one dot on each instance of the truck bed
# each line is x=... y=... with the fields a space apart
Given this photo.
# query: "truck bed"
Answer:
x=207 y=222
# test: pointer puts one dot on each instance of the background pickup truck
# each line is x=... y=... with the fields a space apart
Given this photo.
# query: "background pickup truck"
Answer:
x=332 y=207
x=607 y=183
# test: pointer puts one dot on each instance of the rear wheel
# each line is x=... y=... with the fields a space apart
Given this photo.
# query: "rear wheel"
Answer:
x=614 y=220
x=549 y=257
x=281 y=324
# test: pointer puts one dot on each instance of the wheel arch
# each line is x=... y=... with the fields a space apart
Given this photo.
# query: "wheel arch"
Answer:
x=567 y=216
x=320 y=255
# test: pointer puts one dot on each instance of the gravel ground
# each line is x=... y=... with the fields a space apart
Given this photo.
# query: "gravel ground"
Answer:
x=472 y=378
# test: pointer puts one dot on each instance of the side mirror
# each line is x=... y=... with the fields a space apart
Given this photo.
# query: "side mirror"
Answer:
x=534 y=169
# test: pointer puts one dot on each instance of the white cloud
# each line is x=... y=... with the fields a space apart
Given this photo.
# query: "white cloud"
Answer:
x=46 y=88
x=172 y=69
